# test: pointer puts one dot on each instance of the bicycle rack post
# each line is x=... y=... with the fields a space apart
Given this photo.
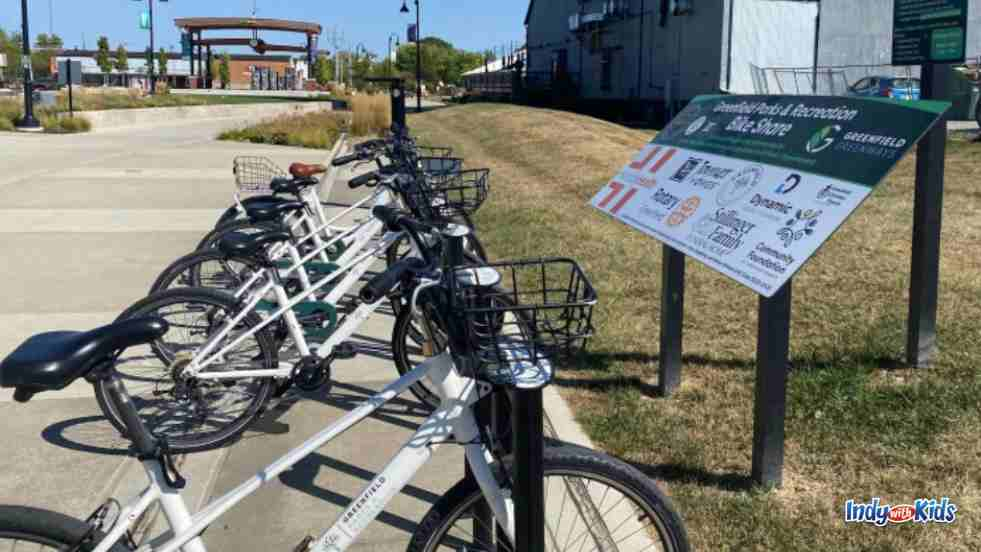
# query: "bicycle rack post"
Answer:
x=398 y=103
x=529 y=476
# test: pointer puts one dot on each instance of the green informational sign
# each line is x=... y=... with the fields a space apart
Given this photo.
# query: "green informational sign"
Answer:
x=752 y=186
x=929 y=31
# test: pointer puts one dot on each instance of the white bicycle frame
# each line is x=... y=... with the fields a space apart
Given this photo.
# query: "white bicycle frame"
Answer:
x=453 y=419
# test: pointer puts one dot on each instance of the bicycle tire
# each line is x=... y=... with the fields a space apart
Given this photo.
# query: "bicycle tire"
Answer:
x=581 y=465
x=189 y=269
x=23 y=524
x=169 y=417
x=210 y=240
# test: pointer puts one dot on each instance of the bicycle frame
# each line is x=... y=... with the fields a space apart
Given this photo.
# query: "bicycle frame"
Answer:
x=453 y=419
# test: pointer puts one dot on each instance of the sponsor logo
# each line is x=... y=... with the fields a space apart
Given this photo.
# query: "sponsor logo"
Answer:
x=822 y=139
x=710 y=176
x=721 y=232
x=739 y=185
x=922 y=510
x=685 y=211
x=663 y=202
x=769 y=259
x=788 y=185
x=832 y=195
x=686 y=169
x=799 y=227
x=696 y=125
x=769 y=208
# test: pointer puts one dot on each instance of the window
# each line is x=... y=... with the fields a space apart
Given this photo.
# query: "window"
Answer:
x=606 y=65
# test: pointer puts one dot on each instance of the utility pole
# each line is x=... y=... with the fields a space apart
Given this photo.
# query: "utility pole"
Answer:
x=153 y=73
x=28 y=123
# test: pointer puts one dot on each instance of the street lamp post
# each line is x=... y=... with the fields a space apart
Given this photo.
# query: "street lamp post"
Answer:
x=405 y=9
x=28 y=122
x=397 y=45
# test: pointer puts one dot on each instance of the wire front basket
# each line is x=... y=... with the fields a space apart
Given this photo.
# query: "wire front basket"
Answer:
x=445 y=196
x=440 y=165
x=434 y=151
x=253 y=175
x=522 y=315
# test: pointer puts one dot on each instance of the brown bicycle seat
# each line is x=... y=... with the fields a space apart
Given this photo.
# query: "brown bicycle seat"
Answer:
x=303 y=170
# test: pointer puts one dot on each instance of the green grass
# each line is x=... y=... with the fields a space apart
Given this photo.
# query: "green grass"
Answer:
x=859 y=423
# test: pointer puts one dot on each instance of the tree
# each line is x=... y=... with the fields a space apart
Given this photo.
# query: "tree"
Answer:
x=122 y=62
x=45 y=48
x=102 y=58
x=225 y=70
x=10 y=45
x=162 y=63
x=322 y=70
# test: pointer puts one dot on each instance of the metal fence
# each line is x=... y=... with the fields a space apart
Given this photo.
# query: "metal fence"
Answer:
x=831 y=81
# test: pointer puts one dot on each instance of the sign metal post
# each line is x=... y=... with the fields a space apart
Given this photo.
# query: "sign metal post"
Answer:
x=770 y=404
x=672 y=319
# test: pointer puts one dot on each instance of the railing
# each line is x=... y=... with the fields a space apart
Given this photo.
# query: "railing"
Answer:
x=831 y=81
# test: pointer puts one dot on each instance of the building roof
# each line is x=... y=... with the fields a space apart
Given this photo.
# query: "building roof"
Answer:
x=248 y=23
x=531 y=6
x=141 y=54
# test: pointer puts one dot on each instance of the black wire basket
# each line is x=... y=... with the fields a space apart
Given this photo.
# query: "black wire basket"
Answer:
x=440 y=165
x=434 y=151
x=520 y=316
x=253 y=175
x=445 y=196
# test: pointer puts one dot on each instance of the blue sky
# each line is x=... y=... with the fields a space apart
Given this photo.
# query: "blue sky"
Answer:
x=468 y=24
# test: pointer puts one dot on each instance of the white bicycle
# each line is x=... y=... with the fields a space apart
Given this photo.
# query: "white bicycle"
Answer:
x=503 y=334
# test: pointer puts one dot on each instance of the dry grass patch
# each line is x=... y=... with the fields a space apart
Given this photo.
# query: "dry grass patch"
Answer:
x=859 y=424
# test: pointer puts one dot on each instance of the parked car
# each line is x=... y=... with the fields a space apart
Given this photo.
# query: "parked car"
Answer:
x=899 y=88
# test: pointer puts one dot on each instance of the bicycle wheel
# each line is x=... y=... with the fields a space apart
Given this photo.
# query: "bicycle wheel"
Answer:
x=210 y=240
x=592 y=502
x=207 y=268
x=411 y=345
x=24 y=528
x=193 y=414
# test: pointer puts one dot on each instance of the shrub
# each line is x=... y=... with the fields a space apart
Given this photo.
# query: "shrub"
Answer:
x=370 y=113
x=63 y=124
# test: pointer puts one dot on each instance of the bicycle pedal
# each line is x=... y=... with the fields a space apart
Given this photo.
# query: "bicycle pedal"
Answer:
x=344 y=351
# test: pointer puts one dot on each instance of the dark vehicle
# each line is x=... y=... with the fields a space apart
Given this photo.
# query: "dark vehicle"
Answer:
x=899 y=88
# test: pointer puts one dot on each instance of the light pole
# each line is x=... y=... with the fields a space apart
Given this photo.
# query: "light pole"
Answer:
x=397 y=45
x=405 y=9
x=28 y=123
x=149 y=61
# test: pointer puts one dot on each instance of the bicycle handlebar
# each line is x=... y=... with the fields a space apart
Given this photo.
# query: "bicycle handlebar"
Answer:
x=359 y=181
x=381 y=285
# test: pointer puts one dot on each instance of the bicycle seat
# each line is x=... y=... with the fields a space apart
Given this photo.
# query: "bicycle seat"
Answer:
x=303 y=170
x=53 y=360
x=249 y=245
x=287 y=186
x=263 y=211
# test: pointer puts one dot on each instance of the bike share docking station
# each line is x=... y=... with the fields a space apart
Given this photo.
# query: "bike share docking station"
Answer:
x=752 y=186
x=524 y=418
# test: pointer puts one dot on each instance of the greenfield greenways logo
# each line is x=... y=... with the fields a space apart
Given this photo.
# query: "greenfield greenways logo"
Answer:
x=822 y=139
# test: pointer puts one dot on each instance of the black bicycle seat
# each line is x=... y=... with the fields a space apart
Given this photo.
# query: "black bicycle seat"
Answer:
x=264 y=212
x=235 y=244
x=291 y=186
x=53 y=360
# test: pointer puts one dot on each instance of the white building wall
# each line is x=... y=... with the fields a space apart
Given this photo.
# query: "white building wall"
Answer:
x=768 y=33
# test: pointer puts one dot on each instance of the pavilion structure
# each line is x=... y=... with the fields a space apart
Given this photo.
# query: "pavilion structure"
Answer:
x=195 y=27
